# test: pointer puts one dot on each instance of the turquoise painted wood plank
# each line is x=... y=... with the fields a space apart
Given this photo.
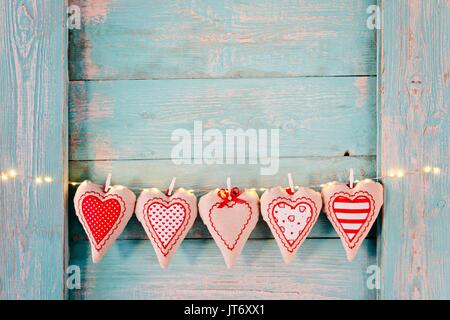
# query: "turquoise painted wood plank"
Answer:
x=415 y=117
x=141 y=39
x=111 y=122
x=33 y=141
x=130 y=271
x=136 y=119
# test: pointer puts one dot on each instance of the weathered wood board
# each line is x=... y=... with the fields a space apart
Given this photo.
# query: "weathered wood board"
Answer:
x=415 y=117
x=33 y=141
x=315 y=62
x=142 y=69
x=136 y=119
x=143 y=39
x=130 y=270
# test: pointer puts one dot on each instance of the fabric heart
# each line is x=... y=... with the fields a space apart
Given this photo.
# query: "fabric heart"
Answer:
x=230 y=220
x=290 y=217
x=103 y=215
x=352 y=212
x=166 y=220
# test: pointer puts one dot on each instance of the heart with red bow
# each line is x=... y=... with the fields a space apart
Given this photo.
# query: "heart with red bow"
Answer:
x=352 y=211
x=230 y=218
x=103 y=214
x=166 y=219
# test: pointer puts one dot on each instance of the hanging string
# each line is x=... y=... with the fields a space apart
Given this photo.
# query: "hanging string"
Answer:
x=12 y=174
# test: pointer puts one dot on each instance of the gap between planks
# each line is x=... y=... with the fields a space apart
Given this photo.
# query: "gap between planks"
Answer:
x=191 y=159
x=227 y=78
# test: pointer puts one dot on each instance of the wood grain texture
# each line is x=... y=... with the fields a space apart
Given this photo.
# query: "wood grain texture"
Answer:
x=315 y=116
x=33 y=140
x=319 y=271
x=141 y=39
x=415 y=63
x=158 y=66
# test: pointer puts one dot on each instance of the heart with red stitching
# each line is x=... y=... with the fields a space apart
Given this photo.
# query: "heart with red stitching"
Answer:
x=103 y=215
x=353 y=211
x=290 y=216
x=239 y=213
x=230 y=218
x=166 y=220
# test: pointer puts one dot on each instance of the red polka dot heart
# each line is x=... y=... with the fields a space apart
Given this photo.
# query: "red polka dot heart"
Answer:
x=103 y=215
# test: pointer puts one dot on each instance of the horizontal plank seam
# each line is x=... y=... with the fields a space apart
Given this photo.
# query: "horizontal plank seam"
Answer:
x=227 y=78
x=167 y=159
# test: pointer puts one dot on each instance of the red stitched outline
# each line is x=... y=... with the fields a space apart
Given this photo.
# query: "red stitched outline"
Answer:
x=240 y=232
x=332 y=216
x=152 y=231
x=304 y=233
x=166 y=207
x=103 y=242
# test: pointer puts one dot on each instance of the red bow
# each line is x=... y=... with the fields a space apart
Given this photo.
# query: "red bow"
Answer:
x=227 y=197
x=289 y=191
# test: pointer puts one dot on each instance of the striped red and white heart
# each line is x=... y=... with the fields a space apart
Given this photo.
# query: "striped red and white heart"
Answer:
x=103 y=215
x=230 y=219
x=166 y=219
x=290 y=216
x=352 y=212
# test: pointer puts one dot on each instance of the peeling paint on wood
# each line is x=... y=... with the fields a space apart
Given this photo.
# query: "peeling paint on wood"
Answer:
x=141 y=39
x=315 y=116
x=33 y=141
x=93 y=12
x=130 y=270
x=123 y=123
x=320 y=118
x=415 y=117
